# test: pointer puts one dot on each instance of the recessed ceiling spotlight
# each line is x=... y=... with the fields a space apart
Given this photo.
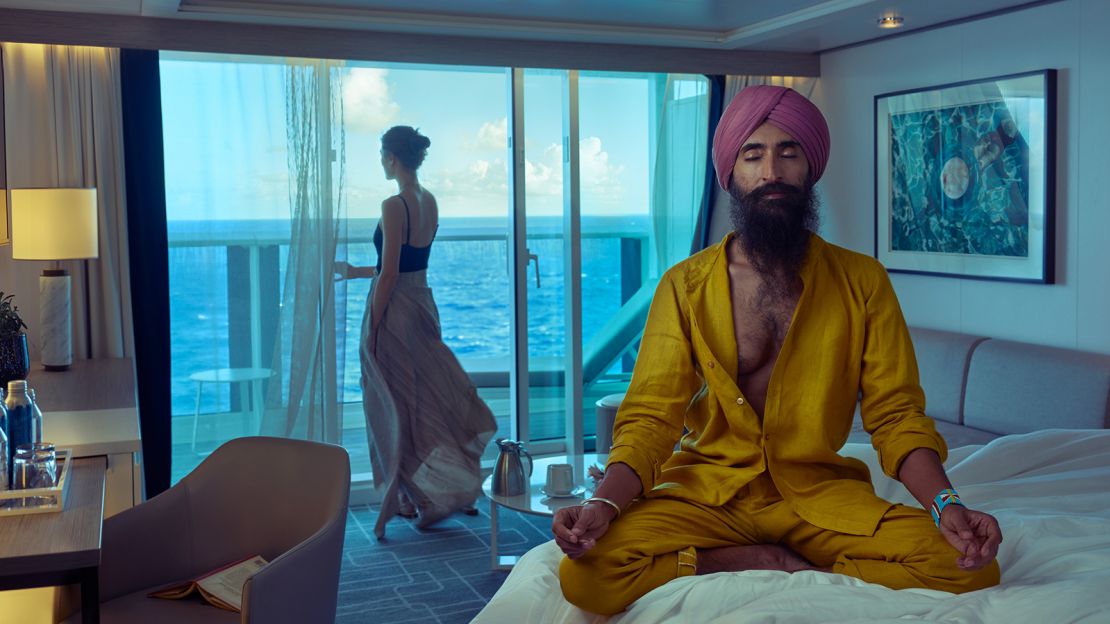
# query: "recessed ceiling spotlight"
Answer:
x=890 y=21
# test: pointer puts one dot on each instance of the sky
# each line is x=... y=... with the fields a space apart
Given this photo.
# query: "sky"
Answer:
x=225 y=138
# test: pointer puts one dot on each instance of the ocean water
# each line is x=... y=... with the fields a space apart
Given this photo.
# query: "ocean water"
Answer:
x=468 y=274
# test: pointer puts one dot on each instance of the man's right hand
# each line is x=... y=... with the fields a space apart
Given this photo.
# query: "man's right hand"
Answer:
x=578 y=528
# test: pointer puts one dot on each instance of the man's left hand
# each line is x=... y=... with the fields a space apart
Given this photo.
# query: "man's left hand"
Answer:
x=974 y=533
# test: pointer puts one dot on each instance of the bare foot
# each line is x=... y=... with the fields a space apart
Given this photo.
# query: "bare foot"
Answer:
x=407 y=510
x=755 y=557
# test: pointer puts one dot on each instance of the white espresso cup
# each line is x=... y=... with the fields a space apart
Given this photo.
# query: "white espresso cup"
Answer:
x=560 y=479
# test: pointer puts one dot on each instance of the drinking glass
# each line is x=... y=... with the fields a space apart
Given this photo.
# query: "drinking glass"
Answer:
x=45 y=465
x=23 y=467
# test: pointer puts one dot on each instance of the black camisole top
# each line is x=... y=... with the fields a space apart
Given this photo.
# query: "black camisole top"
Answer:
x=412 y=258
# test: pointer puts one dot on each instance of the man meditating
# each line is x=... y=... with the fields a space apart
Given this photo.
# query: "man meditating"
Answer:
x=759 y=346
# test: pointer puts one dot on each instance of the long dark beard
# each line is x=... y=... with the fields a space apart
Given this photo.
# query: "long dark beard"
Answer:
x=774 y=233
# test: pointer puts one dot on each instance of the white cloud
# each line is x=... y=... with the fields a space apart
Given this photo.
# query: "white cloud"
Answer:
x=367 y=104
x=600 y=179
x=494 y=135
x=479 y=176
x=482 y=183
x=545 y=175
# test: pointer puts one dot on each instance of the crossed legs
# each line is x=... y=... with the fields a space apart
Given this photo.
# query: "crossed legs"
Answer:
x=657 y=540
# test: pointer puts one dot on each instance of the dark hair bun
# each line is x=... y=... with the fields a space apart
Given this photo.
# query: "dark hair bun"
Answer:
x=407 y=144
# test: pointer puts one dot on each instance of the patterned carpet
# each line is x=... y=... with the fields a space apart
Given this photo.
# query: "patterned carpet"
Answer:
x=439 y=575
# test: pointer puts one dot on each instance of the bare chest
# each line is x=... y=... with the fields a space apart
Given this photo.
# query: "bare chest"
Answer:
x=760 y=323
x=761 y=317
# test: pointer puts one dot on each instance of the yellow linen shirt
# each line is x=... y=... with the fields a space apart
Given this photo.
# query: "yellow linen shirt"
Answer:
x=847 y=336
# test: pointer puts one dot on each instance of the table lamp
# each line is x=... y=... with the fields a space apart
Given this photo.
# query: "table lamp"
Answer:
x=54 y=224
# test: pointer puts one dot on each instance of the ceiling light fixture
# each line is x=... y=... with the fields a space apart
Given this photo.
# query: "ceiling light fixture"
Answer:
x=890 y=21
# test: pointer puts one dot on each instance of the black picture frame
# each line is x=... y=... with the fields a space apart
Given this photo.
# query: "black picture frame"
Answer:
x=965 y=178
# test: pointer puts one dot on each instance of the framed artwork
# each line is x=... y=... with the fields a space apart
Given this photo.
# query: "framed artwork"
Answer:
x=965 y=178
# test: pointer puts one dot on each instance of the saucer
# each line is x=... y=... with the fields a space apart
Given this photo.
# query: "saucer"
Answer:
x=576 y=492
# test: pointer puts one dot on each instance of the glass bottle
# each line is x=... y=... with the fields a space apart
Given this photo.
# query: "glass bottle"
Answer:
x=5 y=450
x=21 y=419
x=37 y=413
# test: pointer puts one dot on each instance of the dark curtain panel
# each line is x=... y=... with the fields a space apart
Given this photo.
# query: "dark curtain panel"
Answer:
x=146 y=235
x=716 y=108
x=3 y=145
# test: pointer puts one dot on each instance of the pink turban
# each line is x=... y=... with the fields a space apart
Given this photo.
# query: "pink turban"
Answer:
x=782 y=107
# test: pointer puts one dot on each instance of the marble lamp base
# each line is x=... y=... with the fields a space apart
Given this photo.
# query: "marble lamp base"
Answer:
x=54 y=320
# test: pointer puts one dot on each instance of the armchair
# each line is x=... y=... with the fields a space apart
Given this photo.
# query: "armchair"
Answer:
x=283 y=499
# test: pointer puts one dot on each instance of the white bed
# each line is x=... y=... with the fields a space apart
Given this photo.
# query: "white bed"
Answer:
x=1050 y=491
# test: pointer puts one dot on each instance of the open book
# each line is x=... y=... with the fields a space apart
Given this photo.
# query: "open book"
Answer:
x=222 y=587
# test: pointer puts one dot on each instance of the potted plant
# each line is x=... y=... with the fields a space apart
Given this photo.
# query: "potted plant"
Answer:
x=15 y=362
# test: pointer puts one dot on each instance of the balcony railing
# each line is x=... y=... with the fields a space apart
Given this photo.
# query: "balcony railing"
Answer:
x=254 y=271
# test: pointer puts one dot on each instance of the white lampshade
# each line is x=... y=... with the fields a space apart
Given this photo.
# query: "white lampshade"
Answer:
x=54 y=224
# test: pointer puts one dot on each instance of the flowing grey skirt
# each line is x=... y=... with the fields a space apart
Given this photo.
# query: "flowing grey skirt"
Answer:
x=426 y=425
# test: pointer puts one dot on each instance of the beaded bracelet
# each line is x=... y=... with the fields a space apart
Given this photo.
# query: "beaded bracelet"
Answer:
x=945 y=498
x=598 y=499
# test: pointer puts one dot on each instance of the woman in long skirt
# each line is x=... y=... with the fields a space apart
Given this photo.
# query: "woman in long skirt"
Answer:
x=426 y=425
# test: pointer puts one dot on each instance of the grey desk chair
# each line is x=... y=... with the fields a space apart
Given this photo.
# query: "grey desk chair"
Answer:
x=283 y=499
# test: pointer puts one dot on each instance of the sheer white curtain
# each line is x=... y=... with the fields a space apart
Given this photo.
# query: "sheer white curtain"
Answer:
x=310 y=311
x=63 y=122
x=678 y=172
x=719 y=222
x=254 y=185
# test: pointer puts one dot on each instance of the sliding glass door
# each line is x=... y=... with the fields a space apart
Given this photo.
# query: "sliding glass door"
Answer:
x=462 y=110
x=230 y=177
x=542 y=253
x=613 y=172
x=562 y=198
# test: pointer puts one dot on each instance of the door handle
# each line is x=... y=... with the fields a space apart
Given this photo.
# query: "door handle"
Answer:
x=534 y=258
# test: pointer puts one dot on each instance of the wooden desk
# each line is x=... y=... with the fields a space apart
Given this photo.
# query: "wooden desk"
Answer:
x=46 y=549
x=92 y=409
x=104 y=383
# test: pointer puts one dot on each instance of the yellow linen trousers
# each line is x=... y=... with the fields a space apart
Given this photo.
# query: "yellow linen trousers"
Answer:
x=655 y=541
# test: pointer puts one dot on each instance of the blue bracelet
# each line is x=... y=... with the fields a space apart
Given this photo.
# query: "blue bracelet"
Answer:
x=945 y=498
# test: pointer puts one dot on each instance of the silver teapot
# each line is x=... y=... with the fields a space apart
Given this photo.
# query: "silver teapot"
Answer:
x=509 y=478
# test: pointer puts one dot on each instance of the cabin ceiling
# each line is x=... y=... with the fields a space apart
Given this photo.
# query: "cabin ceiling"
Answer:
x=796 y=26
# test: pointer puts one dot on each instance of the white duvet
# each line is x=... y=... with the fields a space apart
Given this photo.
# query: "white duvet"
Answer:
x=1050 y=491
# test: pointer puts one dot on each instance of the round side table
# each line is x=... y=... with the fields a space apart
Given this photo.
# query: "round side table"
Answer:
x=250 y=391
x=534 y=501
